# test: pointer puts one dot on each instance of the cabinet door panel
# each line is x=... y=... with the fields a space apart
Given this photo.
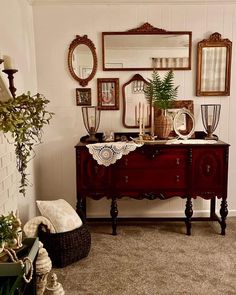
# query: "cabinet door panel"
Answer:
x=208 y=169
x=91 y=175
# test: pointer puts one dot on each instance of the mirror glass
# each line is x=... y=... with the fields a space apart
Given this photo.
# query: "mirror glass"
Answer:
x=135 y=105
x=214 y=62
x=146 y=48
x=82 y=59
x=180 y=124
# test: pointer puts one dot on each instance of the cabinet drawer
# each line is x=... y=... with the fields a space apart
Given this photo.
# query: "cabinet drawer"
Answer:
x=151 y=178
x=155 y=158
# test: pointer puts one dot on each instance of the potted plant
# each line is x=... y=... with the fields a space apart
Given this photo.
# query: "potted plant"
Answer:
x=24 y=117
x=160 y=93
x=10 y=231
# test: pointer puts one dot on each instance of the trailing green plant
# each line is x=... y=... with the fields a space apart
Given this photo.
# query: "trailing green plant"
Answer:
x=161 y=92
x=24 y=117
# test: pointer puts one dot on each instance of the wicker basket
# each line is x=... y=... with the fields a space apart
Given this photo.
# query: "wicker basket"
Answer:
x=67 y=247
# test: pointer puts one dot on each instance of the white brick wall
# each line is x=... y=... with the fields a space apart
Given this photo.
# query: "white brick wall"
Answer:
x=8 y=177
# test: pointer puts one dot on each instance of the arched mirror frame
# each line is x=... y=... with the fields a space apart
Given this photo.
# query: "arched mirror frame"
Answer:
x=136 y=77
x=85 y=41
x=189 y=117
x=214 y=40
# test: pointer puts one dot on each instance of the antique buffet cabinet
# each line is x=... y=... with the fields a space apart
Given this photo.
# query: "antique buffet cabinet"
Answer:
x=157 y=171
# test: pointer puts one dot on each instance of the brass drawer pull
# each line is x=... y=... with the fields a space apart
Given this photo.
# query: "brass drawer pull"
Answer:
x=126 y=179
x=208 y=168
x=177 y=178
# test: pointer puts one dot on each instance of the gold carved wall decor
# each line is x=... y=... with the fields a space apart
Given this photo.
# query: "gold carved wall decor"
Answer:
x=213 y=66
x=136 y=49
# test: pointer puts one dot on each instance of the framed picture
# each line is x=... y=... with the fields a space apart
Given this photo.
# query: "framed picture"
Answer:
x=83 y=96
x=108 y=93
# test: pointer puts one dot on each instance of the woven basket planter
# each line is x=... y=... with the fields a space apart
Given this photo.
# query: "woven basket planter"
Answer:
x=67 y=247
x=162 y=125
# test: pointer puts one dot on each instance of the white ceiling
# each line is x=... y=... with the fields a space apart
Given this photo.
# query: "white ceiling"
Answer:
x=71 y=2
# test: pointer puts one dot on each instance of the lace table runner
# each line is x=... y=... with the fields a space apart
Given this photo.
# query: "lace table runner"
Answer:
x=108 y=153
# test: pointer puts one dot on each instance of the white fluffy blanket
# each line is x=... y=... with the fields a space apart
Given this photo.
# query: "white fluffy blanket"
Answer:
x=31 y=227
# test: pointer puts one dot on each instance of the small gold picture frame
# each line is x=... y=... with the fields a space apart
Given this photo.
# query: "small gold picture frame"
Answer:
x=83 y=96
x=108 y=93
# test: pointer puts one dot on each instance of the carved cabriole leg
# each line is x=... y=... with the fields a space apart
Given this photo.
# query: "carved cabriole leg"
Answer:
x=223 y=214
x=188 y=213
x=81 y=207
x=114 y=213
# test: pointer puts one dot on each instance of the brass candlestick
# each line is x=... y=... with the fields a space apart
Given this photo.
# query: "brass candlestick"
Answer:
x=10 y=74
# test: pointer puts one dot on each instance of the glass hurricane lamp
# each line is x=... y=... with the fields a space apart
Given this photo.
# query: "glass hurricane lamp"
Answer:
x=210 y=118
x=91 y=118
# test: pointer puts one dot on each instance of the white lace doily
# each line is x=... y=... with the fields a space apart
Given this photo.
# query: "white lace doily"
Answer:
x=108 y=153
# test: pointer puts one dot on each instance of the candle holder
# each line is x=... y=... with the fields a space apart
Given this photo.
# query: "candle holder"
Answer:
x=210 y=118
x=91 y=118
x=10 y=74
x=141 y=128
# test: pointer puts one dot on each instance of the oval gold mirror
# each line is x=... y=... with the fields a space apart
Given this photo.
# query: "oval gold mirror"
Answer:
x=134 y=102
x=180 y=123
x=82 y=59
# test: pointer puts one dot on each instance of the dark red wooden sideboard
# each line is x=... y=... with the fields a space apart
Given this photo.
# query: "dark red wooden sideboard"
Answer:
x=157 y=171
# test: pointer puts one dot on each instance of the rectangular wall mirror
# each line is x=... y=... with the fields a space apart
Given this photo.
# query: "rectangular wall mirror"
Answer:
x=145 y=48
x=213 y=66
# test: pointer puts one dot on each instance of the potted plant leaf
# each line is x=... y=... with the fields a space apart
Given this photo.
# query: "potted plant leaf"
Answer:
x=161 y=93
x=24 y=117
x=10 y=228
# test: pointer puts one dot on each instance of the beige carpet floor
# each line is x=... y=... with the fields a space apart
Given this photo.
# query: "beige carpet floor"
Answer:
x=156 y=259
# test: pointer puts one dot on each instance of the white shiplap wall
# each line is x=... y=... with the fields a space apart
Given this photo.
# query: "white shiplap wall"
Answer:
x=57 y=25
x=17 y=41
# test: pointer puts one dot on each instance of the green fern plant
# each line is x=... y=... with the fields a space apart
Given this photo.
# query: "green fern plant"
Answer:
x=24 y=117
x=161 y=92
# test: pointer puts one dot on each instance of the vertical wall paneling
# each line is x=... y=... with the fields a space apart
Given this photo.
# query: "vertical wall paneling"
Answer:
x=56 y=83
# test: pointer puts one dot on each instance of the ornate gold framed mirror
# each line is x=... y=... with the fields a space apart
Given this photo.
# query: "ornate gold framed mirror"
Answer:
x=213 y=66
x=82 y=59
x=136 y=49
x=133 y=100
